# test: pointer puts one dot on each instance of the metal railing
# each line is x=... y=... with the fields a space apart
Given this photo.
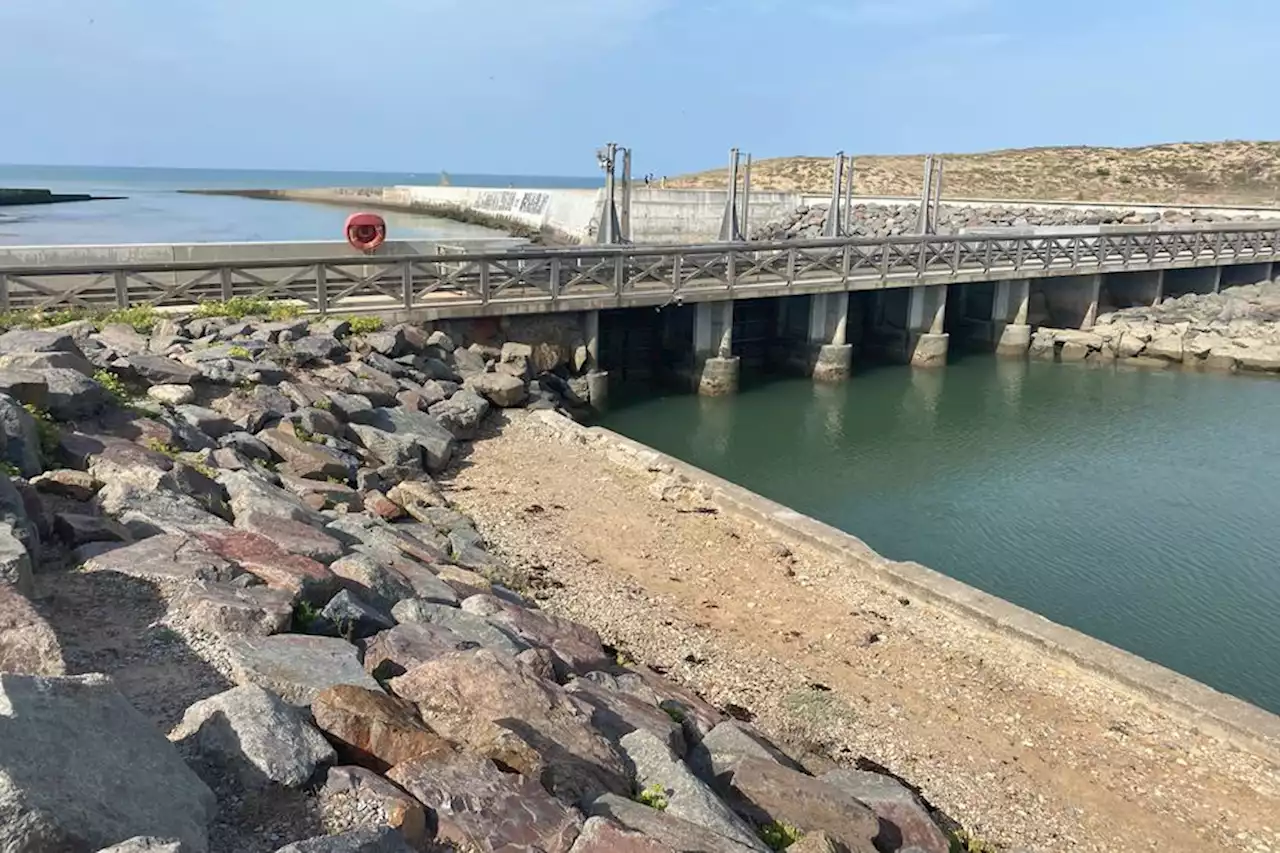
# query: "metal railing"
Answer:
x=543 y=280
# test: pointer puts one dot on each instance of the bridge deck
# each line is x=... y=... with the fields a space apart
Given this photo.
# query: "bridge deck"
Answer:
x=534 y=280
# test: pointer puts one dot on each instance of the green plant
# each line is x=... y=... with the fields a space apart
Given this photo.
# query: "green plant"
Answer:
x=159 y=446
x=279 y=312
x=50 y=438
x=364 y=325
x=237 y=308
x=779 y=835
x=623 y=659
x=7 y=467
x=337 y=481
x=142 y=318
x=303 y=434
x=202 y=467
x=324 y=404
x=676 y=715
x=239 y=352
x=654 y=796
x=963 y=842
x=113 y=385
x=304 y=613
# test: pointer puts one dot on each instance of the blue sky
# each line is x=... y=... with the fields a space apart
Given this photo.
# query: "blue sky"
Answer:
x=534 y=86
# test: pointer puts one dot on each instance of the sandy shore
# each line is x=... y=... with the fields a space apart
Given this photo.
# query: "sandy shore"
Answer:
x=1023 y=749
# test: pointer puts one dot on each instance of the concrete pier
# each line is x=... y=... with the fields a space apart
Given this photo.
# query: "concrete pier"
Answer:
x=715 y=367
x=1131 y=289
x=597 y=379
x=1010 y=312
x=927 y=337
x=832 y=355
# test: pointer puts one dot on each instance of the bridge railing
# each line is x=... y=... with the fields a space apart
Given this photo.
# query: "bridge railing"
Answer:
x=549 y=279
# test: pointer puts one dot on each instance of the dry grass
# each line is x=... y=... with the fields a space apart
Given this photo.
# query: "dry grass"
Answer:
x=1188 y=172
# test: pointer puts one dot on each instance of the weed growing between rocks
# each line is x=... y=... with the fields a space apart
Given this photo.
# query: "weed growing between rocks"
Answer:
x=115 y=387
x=779 y=836
x=239 y=307
x=654 y=796
x=142 y=318
x=963 y=842
x=161 y=447
x=49 y=435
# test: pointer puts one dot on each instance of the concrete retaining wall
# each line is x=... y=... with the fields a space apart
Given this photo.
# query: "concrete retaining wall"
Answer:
x=1261 y=212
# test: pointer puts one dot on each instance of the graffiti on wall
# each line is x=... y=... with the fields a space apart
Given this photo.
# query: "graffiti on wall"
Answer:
x=513 y=201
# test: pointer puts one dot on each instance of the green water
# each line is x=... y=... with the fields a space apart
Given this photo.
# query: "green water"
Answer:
x=1140 y=507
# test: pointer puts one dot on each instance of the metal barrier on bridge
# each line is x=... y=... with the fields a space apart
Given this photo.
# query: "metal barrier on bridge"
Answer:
x=551 y=279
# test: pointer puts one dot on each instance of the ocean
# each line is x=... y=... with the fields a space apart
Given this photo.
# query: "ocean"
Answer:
x=153 y=211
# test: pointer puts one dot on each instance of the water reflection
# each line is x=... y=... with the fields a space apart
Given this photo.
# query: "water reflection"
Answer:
x=713 y=429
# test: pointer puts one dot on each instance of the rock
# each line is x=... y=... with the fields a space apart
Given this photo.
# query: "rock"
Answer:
x=382 y=506
x=19 y=437
x=296 y=667
x=315 y=422
x=501 y=389
x=399 y=436
x=299 y=576
x=315 y=348
x=254 y=734
x=75 y=529
x=516 y=356
x=603 y=836
x=375 y=730
x=293 y=536
x=26 y=386
x=370 y=791
x=481 y=808
x=467 y=362
x=15 y=561
x=151 y=512
x=38 y=340
x=28 y=646
x=464 y=582
x=687 y=796
x=168 y=557
x=468 y=626
x=488 y=701
x=661 y=827
x=615 y=714
x=440 y=340
x=381 y=840
x=821 y=842
x=42 y=361
x=576 y=645
x=423 y=492
x=1073 y=351
x=81 y=769
x=307 y=459
x=348 y=406
x=353 y=619
x=389 y=342
x=765 y=792
x=904 y=822
x=1168 y=348
x=160 y=370
x=696 y=716
x=370 y=579
x=257 y=611
x=461 y=414
x=395 y=652
x=251 y=491
x=146 y=844
x=73 y=396
x=729 y=741
x=1262 y=358
x=207 y=421
x=171 y=395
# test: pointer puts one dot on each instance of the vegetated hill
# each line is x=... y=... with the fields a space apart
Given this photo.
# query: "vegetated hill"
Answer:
x=1188 y=172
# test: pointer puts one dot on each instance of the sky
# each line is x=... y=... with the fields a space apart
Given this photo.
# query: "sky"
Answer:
x=534 y=87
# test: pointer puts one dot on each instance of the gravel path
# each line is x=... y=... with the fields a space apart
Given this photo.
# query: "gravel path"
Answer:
x=1022 y=749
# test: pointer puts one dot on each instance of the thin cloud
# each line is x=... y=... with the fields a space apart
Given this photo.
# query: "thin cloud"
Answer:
x=899 y=13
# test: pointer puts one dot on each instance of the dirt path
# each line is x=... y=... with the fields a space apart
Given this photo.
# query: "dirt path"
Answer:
x=1022 y=749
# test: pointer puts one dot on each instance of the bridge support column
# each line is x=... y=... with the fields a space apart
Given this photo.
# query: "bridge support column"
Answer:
x=831 y=356
x=926 y=315
x=1012 y=303
x=715 y=367
x=1094 y=285
x=597 y=379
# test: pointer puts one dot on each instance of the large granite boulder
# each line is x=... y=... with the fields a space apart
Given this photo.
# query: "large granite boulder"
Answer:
x=26 y=386
x=729 y=741
x=461 y=414
x=904 y=821
x=577 y=646
x=490 y=702
x=19 y=437
x=468 y=626
x=616 y=714
x=297 y=575
x=28 y=645
x=398 y=436
x=687 y=797
x=502 y=389
x=169 y=557
x=395 y=652
x=81 y=769
x=223 y=608
x=253 y=733
x=371 y=793
x=604 y=836
x=295 y=667
x=381 y=840
x=159 y=370
x=661 y=827
x=307 y=459
x=479 y=807
x=72 y=395
x=374 y=730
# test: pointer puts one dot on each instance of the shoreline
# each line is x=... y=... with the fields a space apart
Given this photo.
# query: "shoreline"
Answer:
x=1029 y=733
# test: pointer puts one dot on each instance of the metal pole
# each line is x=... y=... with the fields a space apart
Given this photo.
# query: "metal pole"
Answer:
x=848 y=201
x=746 y=200
x=832 y=228
x=626 y=196
x=922 y=219
x=609 y=228
x=729 y=228
x=937 y=197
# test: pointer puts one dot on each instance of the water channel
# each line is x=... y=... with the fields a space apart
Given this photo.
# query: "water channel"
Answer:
x=1141 y=507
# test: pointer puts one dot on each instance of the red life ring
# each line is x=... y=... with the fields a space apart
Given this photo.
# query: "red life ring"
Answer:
x=365 y=231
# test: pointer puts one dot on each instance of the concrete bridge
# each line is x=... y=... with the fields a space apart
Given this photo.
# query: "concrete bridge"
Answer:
x=809 y=304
